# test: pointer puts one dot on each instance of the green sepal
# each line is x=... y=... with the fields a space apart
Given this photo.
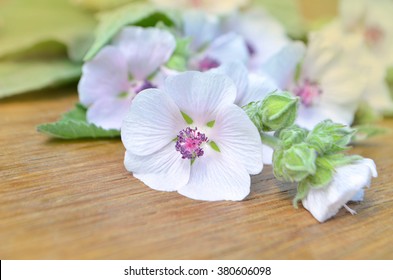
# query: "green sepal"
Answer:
x=252 y=110
x=295 y=163
x=73 y=125
x=328 y=137
x=278 y=110
x=302 y=190
x=291 y=135
x=323 y=174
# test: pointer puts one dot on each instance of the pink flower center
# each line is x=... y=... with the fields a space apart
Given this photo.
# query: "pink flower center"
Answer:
x=142 y=85
x=208 y=63
x=308 y=92
x=189 y=142
x=196 y=3
x=373 y=35
x=251 y=49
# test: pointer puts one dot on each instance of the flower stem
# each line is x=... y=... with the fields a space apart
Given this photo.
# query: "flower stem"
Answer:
x=270 y=140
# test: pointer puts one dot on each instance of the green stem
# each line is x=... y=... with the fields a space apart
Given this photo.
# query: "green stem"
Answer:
x=270 y=140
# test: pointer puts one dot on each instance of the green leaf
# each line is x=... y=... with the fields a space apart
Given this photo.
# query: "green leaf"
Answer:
x=19 y=77
x=26 y=23
x=111 y=22
x=98 y=5
x=364 y=132
x=365 y=114
x=178 y=61
x=389 y=75
x=288 y=13
x=73 y=125
x=76 y=114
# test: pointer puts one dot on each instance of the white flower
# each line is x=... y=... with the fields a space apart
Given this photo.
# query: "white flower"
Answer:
x=120 y=71
x=216 y=7
x=372 y=20
x=264 y=35
x=250 y=87
x=209 y=46
x=348 y=183
x=190 y=137
x=334 y=77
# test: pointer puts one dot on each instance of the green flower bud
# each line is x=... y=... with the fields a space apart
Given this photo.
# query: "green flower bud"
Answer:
x=324 y=173
x=253 y=111
x=279 y=110
x=328 y=137
x=295 y=163
x=291 y=135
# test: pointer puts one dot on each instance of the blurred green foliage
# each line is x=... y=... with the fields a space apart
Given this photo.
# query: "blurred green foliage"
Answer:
x=42 y=43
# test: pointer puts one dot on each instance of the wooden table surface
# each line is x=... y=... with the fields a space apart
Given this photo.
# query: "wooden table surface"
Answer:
x=74 y=200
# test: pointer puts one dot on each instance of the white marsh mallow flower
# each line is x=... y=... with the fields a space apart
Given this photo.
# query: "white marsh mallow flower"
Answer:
x=190 y=137
x=120 y=71
x=347 y=184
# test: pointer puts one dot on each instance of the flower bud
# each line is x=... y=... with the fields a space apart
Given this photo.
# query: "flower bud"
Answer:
x=291 y=135
x=328 y=137
x=295 y=163
x=279 y=110
x=253 y=111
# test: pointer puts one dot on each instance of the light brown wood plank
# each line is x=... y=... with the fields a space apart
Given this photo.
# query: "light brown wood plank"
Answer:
x=74 y=200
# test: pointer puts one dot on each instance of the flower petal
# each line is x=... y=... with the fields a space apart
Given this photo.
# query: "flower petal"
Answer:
x=146 y=49
x=308 y=117
x=264 y=35
x=358 y=196
x=215 y=176
x=164 y=170
x=259 y=86
x=378 y=96
x=267 y=155
x=238 y=138
x=238 y=74
x=104 y=76
x=281 y=67
x=200 y=95
x=228 y=47
x=200 y=27
x=250 y=87
x=152 y=122
x=325 y=202
x=108 y=113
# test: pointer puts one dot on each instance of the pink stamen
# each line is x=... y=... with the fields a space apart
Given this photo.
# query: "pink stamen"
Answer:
x=189 y=142
x=196 y=3
x=308 y=92
x=208 y=63
x=373 y=35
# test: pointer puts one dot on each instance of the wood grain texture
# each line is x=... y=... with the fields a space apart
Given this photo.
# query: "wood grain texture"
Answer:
x=74 y=200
